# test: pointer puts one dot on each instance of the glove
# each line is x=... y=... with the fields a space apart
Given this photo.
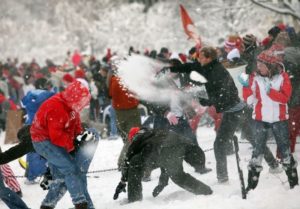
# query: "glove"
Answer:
x=243 y=78
x=253 y=177
x=158 y=189
x=267 y=86
x=173 y=120
x=47 y=180
x=164 y=70
x=120 y=188
x=89 y=134
x=94 y=132
x=205 y=102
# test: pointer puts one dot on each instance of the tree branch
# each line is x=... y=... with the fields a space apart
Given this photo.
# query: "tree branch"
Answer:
x=277 y=9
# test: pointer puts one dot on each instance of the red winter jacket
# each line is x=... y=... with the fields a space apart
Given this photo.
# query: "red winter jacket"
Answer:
x=58 y=118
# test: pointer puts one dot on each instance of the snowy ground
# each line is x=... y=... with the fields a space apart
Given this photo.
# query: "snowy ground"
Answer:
x=272 y=192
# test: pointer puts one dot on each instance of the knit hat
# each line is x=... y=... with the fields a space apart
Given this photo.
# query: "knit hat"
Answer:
x=233 y=41
x=249 y=40
x=79 y=73
x=274 y=31
x=229 y=45
x=269 y=57
x=68 y=78
x=133 y=131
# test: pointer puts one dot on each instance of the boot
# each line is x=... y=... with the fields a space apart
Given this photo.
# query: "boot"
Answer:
x=45 y=207
x=203 y=170
x=253 y=176
x=291 y=172
x=82 y=205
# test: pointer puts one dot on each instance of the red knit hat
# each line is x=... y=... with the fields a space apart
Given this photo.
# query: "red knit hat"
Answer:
x=79 y=73
x=133 y=131
x=68 y=78
x=268 y=56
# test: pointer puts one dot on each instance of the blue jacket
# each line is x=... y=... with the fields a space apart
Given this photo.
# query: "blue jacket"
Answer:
x=33 y=100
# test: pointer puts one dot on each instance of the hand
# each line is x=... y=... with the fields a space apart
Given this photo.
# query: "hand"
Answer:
x=94 y=132
x=205 y=102
x=158 y=189
x=120 y=188
x=173 y=120
x=243 y=78
x=47 y=180
x=88 y=135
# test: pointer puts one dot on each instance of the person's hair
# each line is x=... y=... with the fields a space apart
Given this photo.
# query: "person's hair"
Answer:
x=209 y=52
x=283 y=39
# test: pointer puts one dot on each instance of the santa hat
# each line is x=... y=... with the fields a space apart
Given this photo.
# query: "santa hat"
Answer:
x=68 y=78
x=133 y=131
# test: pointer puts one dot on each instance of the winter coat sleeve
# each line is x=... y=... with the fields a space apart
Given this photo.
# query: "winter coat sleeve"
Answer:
x=284 y=94
x=186 y=68
x=16 y=151
x=247 y=91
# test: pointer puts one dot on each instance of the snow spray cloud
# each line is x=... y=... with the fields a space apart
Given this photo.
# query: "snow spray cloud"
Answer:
x=139 y=74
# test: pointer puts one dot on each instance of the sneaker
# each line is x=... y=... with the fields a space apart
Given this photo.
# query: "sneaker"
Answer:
x=223 y=180
x=275 y=170
x=113 y=137
x=146 y=178
x=30 y=182
x=203 y=170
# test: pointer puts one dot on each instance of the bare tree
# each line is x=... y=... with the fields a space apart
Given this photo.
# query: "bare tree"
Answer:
x=285 y=7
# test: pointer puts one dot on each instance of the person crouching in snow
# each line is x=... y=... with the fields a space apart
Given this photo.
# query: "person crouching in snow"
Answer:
x=269 y=92
x=151 y=149
x=53 y=131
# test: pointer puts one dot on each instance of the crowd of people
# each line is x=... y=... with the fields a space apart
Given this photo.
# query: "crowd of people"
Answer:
x=62 y=103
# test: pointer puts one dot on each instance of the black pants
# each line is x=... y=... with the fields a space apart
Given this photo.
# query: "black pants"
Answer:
x=171 y=160
x=229 y=124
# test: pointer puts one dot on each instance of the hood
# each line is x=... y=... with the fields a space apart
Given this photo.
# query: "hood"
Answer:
x=76 y=96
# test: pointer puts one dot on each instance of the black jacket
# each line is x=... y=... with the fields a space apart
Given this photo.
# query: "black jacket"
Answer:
x=150 y=143
x=220 y=87
x=24 y=147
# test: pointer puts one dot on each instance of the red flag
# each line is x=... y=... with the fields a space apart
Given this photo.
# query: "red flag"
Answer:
x=189 y=27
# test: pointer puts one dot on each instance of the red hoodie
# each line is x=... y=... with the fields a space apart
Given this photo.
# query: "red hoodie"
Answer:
x=58 y=118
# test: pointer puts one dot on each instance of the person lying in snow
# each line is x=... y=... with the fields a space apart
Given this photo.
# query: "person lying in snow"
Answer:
x=157 y=149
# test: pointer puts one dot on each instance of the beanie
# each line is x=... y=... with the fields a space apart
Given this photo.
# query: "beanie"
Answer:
x=269 y=57
x=79 y=73
x=68 y=78
x=274 y=31
x=133 y=131
x=229 y=45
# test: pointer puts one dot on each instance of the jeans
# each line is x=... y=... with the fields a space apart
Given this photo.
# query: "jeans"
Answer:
x=113 y=122
x=83 y=158
x=10 y=198
x=36 y=165
x=58 y=158
x=281 y=134
x=248 y=130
